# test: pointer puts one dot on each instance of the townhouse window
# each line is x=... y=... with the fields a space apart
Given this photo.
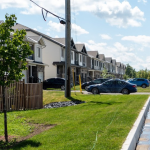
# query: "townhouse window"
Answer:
x=80 y=58
x=38 y=52
x=71 y=55
x=97 y=63
x=62 y=53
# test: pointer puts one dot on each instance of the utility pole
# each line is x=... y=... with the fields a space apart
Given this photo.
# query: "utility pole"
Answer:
x=67 y=49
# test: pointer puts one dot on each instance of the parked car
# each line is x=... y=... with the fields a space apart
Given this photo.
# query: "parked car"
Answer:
x=140 y=82
x=113 y=86
x=97 y=81
x=55 y=83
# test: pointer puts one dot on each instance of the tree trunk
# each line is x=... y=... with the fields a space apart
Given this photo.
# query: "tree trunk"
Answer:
x=5 y=114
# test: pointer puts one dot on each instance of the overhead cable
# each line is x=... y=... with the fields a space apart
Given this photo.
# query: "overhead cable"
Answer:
x=62 y=20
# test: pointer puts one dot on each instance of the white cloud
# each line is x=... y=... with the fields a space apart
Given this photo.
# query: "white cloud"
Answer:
x=105 y=37
x=61 y=28
x=145 y=1
x=56 y=26
x=119 y=52
x=114 y=12
x=140 y=39
x=120 y=14
x=35 y=29
x=78 y=30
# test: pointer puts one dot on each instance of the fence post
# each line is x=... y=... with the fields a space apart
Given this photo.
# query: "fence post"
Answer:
x=41 y=94
x=24 y=94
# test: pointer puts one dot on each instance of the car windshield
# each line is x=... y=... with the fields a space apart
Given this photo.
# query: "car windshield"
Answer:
x=97 y=81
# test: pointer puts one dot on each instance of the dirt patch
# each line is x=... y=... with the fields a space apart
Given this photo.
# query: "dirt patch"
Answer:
x=38 y=128
x=10 y=138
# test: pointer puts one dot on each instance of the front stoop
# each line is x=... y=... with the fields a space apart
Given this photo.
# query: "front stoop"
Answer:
x=134 y=134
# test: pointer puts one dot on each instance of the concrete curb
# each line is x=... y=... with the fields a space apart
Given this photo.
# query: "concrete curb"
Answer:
x=134 y=134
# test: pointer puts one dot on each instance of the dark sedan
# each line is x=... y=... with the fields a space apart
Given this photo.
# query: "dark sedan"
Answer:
x=96 y=81
x=54 y=83
x=113 y=86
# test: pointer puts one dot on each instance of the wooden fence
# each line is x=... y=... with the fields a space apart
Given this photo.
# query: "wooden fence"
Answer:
x=21 y=96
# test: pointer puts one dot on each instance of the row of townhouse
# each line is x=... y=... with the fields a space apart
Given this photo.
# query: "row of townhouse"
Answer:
x=48 y=59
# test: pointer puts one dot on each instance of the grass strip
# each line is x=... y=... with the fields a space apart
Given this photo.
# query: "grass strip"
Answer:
x=102 y=123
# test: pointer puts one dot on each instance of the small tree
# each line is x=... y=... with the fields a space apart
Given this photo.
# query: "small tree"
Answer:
x=13 y=52
x=104 y=73
x=125 y=77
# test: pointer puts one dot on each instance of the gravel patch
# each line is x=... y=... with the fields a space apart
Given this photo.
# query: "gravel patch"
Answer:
x=63 y=104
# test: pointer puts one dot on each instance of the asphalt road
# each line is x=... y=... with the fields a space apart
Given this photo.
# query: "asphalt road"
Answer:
x=85 y=92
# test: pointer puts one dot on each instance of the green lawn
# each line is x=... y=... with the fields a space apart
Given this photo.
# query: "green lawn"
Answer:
x=102 y=123
x=140 y=89
x=77 y=87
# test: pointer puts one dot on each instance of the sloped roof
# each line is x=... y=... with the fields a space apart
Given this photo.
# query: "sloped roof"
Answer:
x=102 y=56
x=20 y=26
x=114 y=61
x=109 y=59
x=60 y=40
x=79 y=47
x=36 y=39
x=93 y=53
x=1 y=21
x=124 y=66
x=118 y=64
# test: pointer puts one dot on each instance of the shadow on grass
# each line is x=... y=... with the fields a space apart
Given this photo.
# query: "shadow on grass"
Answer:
x=77 y=101
x=104 y=103
x=23 y=144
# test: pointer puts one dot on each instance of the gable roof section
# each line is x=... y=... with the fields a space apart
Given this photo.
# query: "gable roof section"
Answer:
x=114 y=61
x=1 y=21
x=36 y=39
x=109 y=59
x=93 y=53
x=102 y=57
x=73 y=44
x=81 y=47
x=118 y=64
x=20 y=26
x=62 y=41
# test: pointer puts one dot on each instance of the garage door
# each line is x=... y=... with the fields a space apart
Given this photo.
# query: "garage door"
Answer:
x=40 y=76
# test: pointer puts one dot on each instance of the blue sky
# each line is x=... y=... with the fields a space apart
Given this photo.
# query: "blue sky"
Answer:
x=116 y=28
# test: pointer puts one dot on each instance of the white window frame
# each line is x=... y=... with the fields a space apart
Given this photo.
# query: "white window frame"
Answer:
x=80 y=58
x=71 y=55
x=38 y=52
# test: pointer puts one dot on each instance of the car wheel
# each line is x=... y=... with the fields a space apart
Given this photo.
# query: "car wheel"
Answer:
x=86 y=88
x=62 y=87
x=144 y=86
x=125 y=91
x=95 y=91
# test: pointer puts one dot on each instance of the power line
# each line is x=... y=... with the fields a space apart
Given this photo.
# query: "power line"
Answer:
x=62 y=20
